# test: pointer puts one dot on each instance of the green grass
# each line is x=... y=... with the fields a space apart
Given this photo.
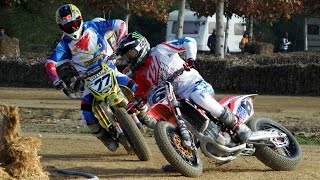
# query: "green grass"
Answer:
x=308 y=140
x=84 y=130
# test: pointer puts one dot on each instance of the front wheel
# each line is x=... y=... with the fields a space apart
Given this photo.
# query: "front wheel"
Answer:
x=136 y=139
x=285 y=158
x=169 y=141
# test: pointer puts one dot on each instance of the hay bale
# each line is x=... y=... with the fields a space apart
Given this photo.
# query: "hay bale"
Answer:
x=4 y=175
x=8 y=129
x=18 y=155
x=9 y=47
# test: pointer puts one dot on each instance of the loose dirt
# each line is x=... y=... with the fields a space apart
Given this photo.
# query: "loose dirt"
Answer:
x=66 y=144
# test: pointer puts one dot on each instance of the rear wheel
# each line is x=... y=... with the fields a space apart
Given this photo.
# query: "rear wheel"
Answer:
x=136 y=139
x=285 y=158
x=185 y=161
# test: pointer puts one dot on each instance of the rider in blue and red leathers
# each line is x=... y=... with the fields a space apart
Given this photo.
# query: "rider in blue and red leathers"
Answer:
x=85 y=45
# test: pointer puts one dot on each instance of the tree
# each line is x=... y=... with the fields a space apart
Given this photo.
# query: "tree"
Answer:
x=5 y=3
x=220 y=29
x=155 y=8
x=271 y=11
x=311 y=7
x=181 y=18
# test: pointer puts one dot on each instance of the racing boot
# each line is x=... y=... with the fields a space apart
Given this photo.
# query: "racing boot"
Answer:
x=103 y=136
x=242 y=130
x=146 y=119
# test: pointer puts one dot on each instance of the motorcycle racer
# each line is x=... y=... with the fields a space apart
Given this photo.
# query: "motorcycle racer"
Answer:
x=86 y=44
x=152 y=66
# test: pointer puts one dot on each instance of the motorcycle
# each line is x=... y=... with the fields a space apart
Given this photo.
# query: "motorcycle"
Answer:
x=270 y=142
x=110 y=101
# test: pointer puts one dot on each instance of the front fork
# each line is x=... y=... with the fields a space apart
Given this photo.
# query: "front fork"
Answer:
x=186 y=135
x=106 y=118
x=134 y=115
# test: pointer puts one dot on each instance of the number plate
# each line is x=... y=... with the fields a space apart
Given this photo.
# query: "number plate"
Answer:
x=100 y=82
x=156 y=95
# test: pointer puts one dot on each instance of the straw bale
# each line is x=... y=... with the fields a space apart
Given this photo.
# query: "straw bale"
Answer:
x=4 y=175
x=18 y=155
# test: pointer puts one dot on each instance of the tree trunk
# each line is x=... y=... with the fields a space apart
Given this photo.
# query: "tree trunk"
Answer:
x=226 y=36
x=305 y=33
x=181 y=19
x=127 y=16
x=251 y=38
x=220 y=29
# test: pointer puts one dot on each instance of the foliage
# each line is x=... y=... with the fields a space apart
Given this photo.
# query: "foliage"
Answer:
x=311 y=7
x=272 y=9
x=156 y=8
x=153 y=30
x=33 y=23
x=265 y=32
x=4 y=3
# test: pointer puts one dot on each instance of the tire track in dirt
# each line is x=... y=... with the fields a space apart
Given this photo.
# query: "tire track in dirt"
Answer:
x=52 y=115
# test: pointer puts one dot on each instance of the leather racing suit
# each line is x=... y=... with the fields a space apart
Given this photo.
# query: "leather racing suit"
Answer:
x=163 y=60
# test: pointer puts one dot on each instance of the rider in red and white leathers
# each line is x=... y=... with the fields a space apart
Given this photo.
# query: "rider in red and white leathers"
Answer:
x=152 y=66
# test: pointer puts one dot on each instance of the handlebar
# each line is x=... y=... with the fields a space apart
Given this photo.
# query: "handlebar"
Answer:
x=175 y=74
x=74 y=88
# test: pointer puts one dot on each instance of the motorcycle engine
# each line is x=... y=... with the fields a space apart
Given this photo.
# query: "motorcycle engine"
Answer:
x=212 y=130
x=219 y=136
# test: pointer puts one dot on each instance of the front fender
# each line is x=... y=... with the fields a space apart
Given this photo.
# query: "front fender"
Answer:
x=162 y=112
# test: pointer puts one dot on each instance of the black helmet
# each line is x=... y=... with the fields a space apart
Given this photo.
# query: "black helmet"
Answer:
x=134 y=48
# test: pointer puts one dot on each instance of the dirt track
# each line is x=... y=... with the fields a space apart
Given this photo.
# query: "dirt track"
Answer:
x=47 y=114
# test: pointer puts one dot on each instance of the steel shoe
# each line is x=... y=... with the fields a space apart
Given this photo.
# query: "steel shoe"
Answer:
x=110 y=143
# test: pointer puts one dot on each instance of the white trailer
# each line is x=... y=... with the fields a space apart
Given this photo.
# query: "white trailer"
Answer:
x=313 y=33
x=201 y=28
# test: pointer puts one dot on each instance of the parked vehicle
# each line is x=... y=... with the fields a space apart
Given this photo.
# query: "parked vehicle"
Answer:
x=201 y=28
x=270 y=142
x=313 y=33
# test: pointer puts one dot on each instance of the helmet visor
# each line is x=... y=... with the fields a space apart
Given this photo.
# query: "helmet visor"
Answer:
x=71 y=27
x=130 y=55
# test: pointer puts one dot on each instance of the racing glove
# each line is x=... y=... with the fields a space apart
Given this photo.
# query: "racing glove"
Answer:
x=132 y=106
x=59 y=84
x=188 y=64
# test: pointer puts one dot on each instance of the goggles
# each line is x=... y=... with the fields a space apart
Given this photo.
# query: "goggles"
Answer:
x=130 y=55
x=71 y=27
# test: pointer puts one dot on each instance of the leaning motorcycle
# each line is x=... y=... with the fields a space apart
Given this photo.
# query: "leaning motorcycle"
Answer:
x=270 y=142
x=110 y=101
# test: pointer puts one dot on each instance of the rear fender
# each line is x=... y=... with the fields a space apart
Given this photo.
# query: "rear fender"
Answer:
x=162 y=112
x=240 y=106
